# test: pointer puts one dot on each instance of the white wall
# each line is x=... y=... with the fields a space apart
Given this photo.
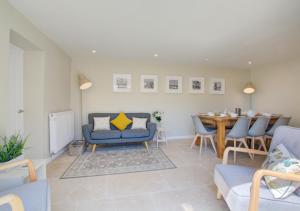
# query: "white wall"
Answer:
x=177 y=107
x=278 y=90
x=47 y=82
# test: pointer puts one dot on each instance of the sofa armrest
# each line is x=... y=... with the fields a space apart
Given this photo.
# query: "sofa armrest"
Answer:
x=254 y=200
x=239 y=149
x=14 y=202
x=152 y=128
x=86 y=132
x=31 y=171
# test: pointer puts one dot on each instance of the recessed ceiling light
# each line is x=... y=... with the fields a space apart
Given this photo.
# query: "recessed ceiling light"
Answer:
x=206 y=59
x=94 y=51
x=249 y=62
x=156 y=55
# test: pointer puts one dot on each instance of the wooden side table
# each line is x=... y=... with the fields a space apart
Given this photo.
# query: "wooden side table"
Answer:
x=161 y=136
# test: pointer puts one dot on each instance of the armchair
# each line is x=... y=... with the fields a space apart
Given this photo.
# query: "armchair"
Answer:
x=33 y=196
x=242 y=187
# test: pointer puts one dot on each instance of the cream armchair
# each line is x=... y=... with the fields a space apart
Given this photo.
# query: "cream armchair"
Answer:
x=242 y=188
x=32 y=196
x=14 y=201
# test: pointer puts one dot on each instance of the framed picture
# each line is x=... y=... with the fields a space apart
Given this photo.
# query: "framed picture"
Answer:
x=217 y=86
x=149 y=83
x=174 y=84
x=196 y=85
x=121 y=82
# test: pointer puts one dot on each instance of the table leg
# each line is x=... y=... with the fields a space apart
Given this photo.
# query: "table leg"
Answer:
x=221 y=133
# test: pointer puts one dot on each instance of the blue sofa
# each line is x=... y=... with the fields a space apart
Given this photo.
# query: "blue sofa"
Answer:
x=116 y=136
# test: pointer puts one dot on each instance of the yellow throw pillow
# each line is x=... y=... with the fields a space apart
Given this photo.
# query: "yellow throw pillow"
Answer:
x=121 y=121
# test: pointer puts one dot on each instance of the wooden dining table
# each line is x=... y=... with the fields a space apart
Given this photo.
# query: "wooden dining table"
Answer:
x=223 y=123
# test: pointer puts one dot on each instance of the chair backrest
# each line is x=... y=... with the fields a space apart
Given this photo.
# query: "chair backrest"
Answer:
x=240 y=128
x=282 y=121
x=259 y=127
x=290 y=137
x=199 y=127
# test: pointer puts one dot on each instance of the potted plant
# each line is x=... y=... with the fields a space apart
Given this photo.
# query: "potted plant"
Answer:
x=157 y=115
x=11 y=148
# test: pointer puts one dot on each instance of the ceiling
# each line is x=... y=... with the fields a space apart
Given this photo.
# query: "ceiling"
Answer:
x=220 y=33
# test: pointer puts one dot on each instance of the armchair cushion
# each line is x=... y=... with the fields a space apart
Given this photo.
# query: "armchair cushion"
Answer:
x=35 y=196
x=234 y=182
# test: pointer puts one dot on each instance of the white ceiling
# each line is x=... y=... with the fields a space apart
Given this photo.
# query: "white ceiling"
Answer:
x=229 y=33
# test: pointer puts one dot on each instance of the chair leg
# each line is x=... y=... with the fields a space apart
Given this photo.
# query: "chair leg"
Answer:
x=234 y=154
x=213 y=143
x=246 y=146
x=194 y=141
x=263 y=144
x=252 y=145
x=205 y=142
x=219 y=195
x=94 y=148
x=201 y=143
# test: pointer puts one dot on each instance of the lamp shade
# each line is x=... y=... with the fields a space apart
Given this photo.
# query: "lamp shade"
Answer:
x=249 y=88
x=84 y=83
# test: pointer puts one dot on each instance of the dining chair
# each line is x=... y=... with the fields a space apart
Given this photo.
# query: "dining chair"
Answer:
x=282 y=121
x=258 y=131
x=203 y=133
x=239 y=133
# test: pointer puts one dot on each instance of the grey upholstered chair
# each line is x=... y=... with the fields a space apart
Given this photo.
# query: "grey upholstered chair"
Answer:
x=258 y=131
x=282 y=121
x=203 y=133
x=239 y=133
x=241 y=186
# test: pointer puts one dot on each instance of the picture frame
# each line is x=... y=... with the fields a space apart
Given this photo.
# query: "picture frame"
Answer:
x=174 y=84
x=196 y=85
x=121 y=82
x=217 y=86
x=149 y=83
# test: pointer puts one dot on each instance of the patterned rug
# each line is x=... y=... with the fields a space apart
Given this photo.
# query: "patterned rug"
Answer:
x=118 y=160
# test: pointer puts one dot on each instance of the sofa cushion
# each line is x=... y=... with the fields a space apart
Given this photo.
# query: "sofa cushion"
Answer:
x=139 y=123
x=121 y=121
x=135 y=133
x=101 y=123
x=234 y=182
x=34 y=196
x=106 y=134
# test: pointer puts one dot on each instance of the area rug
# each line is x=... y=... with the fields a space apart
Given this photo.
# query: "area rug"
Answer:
x=118 y=160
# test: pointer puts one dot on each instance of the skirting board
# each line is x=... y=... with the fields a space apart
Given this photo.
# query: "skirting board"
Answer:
x=54 y=156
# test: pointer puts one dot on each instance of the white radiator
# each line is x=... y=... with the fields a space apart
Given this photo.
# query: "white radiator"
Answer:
x=61 y=130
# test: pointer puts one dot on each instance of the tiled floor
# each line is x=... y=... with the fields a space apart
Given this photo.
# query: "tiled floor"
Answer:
x=189 y=187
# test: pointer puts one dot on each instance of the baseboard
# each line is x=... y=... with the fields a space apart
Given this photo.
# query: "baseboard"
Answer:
x=180 y=137
x=56 y=155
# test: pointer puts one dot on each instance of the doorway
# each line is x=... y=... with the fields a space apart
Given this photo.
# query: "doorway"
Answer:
x=16 y=101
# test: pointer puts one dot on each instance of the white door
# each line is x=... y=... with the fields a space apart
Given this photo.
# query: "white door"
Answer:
x=16 y=110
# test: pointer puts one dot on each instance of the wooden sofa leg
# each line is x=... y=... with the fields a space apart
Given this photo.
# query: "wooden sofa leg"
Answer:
x=219 y=195
x=94 y=148
x=146 y=145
